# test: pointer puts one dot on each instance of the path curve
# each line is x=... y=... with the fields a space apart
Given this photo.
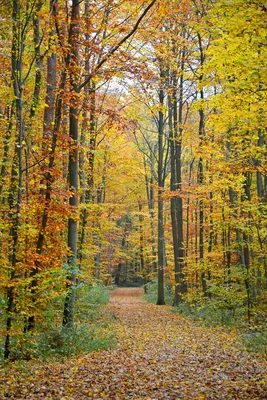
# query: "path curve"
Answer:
x=159 y=356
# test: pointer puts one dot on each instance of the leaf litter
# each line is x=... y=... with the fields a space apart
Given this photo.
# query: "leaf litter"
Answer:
x=159 y=355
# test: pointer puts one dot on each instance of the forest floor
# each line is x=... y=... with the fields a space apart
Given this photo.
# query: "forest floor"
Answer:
x=159 y=355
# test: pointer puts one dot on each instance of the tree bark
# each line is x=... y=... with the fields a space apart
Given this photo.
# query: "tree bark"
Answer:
x=51 y=126
x=15 y=191
x=161 y=250
x=176 y=185
x=73 y=166
x=201 y=132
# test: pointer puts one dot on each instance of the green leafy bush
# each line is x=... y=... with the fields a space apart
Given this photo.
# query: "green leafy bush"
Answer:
x=255 y=339
x=91 y=331
x=151 y=290
x=89 y=302
x=72 y=341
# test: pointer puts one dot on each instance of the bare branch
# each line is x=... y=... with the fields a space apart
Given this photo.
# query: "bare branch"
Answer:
x=118 y=45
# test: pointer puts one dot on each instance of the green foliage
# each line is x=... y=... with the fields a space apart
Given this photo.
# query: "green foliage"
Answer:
x=131 y=284
x=89 y=302
x=151 y=290
x=226 y=300
x=151 y=348
x=91 y=331
x=24 y=347
x=209 y=313
x=72 y=341
x=255 y=339
x=226 y=305
x=70 y=268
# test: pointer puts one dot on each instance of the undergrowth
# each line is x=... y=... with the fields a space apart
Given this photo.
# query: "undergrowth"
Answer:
x=91 y=331
x=151 y=292
x=219 y=311
x=252 y=336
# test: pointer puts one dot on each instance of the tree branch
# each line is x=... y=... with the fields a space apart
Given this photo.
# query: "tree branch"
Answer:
x=118 y=45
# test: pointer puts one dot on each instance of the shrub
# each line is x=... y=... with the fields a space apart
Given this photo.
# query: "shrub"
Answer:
x=72 y=341
x=255 y=339
x=91 y=331
x=151 y=290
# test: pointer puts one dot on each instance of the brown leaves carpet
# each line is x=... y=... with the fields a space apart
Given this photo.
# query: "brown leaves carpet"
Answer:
x=159 y=356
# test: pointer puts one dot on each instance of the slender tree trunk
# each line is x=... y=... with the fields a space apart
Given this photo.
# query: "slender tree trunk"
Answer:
x=176 y=186
x=188 y=213
x=100 y=200
x=174 y=189
x=141 y=242
x=245 y=251
x=51 y=126
x=87 y=184
x=161 y=258
x=201 y=212
x=73 y=167
x=39 y=64
x=152 y=225
x=29 y=321
x=261 y=180
x=151 y=207
x=6 y=148
x=201 y=132
x=16 y=173
x=89 y=107
x=211 y=230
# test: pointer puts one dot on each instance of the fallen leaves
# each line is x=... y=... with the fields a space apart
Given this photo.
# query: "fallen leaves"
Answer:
x=159 y=356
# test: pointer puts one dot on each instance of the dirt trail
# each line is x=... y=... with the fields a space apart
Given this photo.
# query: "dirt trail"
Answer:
x=159 y=356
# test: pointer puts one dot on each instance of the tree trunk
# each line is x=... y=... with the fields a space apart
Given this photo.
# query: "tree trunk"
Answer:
x=16 y=174
x=245 y=251
x=38 y=58
x=3 y=173
x=201 y=132
x=177 y=202
x=141 y=242
x=51 y=126
x=151 y=207
x=73 y=167
x=87 y=184
x=161 y=250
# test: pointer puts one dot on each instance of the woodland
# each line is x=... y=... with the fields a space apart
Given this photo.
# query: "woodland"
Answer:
x=133 y=154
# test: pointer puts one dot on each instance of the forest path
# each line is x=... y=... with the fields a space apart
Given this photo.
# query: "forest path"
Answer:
x=159 y=355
